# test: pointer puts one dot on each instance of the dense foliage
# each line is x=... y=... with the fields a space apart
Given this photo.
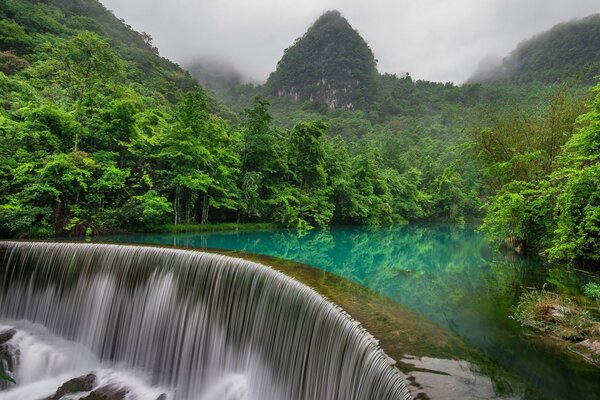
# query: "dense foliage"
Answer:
x=99 y=133
x=500 y=149
x=91 y=143
x=548 y=182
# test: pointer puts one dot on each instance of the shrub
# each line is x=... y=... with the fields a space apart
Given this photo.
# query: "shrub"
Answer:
x=592 y=290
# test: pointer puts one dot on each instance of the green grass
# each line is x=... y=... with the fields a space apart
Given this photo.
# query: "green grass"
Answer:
x=219 y=227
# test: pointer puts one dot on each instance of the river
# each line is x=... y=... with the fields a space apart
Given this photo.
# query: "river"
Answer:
x=447 y=274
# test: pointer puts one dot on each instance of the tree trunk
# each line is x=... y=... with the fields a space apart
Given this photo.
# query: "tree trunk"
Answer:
x=205 y=208
x=176 y=204
x=58 y=218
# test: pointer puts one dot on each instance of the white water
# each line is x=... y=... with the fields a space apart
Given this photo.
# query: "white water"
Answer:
x=47 y=361
x=195 y=326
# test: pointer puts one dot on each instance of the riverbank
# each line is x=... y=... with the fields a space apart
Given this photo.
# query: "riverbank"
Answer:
x=571 y=321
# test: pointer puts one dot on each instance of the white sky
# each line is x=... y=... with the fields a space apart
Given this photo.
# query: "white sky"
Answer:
x=438 y=40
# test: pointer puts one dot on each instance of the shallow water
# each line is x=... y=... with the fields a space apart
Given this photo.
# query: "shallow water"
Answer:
x=447 y=274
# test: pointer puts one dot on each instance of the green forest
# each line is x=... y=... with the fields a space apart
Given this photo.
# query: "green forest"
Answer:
x=100 y=134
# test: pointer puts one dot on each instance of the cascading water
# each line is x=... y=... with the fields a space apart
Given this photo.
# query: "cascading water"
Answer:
x=188 y=324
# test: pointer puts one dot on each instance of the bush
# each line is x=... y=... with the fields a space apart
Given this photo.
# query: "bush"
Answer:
x=592 y=290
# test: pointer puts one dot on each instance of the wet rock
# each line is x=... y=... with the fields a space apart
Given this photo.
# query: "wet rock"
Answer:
x=162 y=397
x=83 y=383
x=9 y=356
x=5 y=336
x=107 y=393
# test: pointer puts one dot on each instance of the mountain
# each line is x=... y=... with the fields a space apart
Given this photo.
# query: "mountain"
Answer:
x=568 y=50
x=331 y=64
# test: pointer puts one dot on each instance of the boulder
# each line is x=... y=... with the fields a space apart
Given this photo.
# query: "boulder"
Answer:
x=84 y=383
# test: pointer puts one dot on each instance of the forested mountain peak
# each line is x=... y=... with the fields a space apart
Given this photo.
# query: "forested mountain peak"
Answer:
x=331 y=63
x=568 y=50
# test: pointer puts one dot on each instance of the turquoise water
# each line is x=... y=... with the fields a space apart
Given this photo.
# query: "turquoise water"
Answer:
x=447 y=274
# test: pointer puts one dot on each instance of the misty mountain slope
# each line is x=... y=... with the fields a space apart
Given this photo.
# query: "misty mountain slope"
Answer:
x=332 y=69
x=331 y=64
x=568 y=50
x=42 y=20
x=46 y=23
x=214 y=74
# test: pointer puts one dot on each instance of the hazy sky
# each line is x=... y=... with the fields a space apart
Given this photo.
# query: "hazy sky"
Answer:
x=439 y=40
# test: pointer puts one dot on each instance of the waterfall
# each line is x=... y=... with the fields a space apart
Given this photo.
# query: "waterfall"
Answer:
x=192 y=325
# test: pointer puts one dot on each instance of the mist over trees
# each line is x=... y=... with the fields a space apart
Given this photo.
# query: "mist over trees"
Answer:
x=215 y=74
x=570 y=50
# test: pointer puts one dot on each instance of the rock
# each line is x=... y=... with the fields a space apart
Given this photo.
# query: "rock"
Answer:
x=592 y=345
x=559 y=312
x=554 y=312
x=162 y=397
x=107 y=393
x=589 y=349
x=84 y=383
x=9 y=356
x=5 y=336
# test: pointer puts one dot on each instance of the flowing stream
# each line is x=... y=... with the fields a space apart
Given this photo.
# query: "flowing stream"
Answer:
x=173 y=324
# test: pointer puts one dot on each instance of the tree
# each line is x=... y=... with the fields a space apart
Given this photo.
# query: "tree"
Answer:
x=263 y=159
x=85 y=67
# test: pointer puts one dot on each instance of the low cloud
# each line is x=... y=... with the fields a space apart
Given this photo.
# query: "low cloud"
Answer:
x=432 y=39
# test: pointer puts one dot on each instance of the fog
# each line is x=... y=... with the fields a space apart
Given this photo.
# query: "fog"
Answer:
x=438 y=40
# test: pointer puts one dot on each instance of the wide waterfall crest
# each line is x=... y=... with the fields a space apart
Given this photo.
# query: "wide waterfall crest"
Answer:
x=203 y=326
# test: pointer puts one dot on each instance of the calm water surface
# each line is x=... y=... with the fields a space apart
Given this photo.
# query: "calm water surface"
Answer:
x=447 y=274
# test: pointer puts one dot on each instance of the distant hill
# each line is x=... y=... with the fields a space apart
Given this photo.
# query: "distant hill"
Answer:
x=331 y=64
x=568 y=50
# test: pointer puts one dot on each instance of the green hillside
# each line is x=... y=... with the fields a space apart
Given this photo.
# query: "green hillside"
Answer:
x=45 y=23
x=570 y=50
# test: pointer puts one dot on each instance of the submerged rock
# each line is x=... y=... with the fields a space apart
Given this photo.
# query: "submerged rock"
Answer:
x=107 y=393
x=83 y=383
